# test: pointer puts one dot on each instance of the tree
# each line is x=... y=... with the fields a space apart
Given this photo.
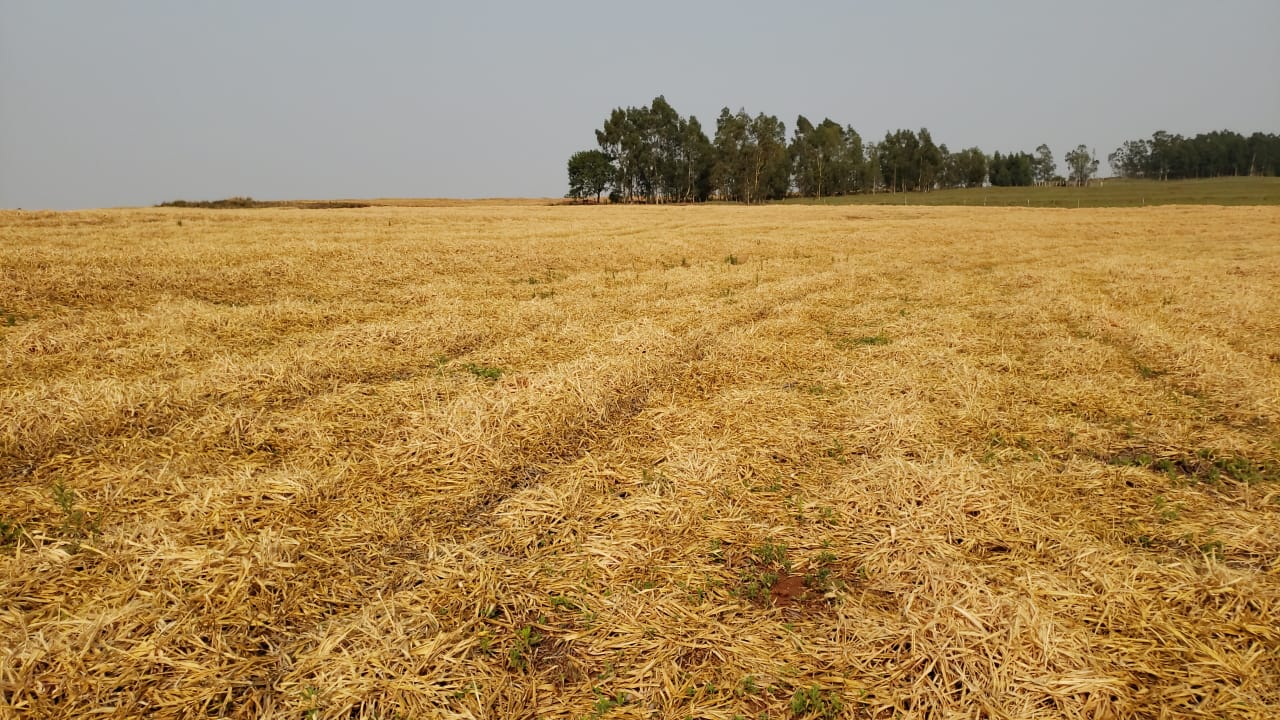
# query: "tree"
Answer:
x=1082 y=165
x=853 y=168
x=909 y=161
x=658 y=155
x=1131 y=159
x=655 y=155
x=752 y=163
x=1264 y=154
x=1218 y=153
x=898 y=155
x=665 y=140
x=1014 y=169
x=770 y=172
x=697 y=160
x=929 y=161
x=1161 y=152
x=803 y=158
x=731 y=151
x=825 y=159
x=620 y=140
x=872 y=174
x=966 y=168
x=590 y=172
x=1043 y=166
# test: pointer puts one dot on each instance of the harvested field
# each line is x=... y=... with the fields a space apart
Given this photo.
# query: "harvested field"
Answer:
x=487 y=462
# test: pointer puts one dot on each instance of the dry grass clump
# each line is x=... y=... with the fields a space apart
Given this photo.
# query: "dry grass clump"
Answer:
x=486 y=461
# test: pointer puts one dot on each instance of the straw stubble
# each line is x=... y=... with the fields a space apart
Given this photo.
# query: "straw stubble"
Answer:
x=516 y=461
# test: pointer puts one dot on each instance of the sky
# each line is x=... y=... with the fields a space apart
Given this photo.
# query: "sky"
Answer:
x=136 y=102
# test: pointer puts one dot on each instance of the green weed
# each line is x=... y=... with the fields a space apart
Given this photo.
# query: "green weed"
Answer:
x=821 y=578
x=815 y=702
x=483 y=371
x=654 y=478
x=9 y=532
x=311 y=697
x=1167 y=512
x=1213 y=549
x=771 y=553
x=774 y=485
x=10 y=318
x=484 y=643
x=757 y=585
x=1246 y=470
x=862 y=341
x=836 y=451
x=769 y=560
x=560 y=601
x=76 y=523
x=604 y=703
x=717 y=550
x=1203 y=466
x=1147 y=372
x=525 y=641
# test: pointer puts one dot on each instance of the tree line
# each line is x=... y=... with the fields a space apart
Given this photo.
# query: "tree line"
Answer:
x=1215 y=154
x=653 y=154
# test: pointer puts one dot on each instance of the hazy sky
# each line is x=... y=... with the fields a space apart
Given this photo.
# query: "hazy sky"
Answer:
x=132 y=102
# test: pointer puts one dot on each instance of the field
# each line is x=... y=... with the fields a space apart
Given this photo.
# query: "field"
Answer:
x=487 y=461
x=1104 y=193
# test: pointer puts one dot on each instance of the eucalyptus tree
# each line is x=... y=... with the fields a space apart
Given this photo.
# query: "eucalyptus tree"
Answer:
x=1082 y=165
x=731 y=152
x=909 y=161
x=697 y=160
x=826 y=159
x=897 y=154
x=1043 y=165
x=928 y=160
x=751 y=157
x=658 y=155
x=962 y=169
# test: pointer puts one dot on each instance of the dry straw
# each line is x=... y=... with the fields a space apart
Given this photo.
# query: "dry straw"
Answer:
x=486 y=461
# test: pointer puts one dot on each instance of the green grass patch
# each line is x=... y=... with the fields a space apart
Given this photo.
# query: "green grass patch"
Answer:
x=846 y=343
x=1207 y=466
x=10 y=318
x=1105 y=193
